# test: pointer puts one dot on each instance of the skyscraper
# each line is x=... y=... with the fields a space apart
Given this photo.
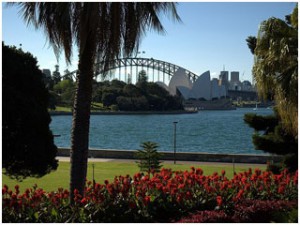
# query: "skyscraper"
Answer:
x=234 y=76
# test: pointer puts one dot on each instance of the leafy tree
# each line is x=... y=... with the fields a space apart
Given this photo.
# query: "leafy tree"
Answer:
x=251 y=42
x=65 y=89
x=155 y=89
x=110 y=94
x=131 y=90
x=275 y=68
x=67 y=75
x=142 y=77
x=276 y=72
x=28 y=148
x=56 y=75
x=271 y=137
x=142 y=81
x=118 y=84
x=149 y=157
x=125 y=103
x=99 y=29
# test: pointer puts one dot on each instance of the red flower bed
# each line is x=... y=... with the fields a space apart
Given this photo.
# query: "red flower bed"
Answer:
x=166 y=196
x=248 y=211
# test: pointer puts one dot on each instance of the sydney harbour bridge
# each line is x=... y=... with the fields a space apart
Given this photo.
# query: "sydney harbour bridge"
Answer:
x=128 y=68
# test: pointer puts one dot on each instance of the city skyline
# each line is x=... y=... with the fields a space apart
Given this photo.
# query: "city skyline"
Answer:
x=211 y=37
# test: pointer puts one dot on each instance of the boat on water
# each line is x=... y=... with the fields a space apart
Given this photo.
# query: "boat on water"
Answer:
x=255 y=107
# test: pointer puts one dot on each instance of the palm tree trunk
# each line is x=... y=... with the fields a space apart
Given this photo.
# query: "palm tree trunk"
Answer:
x=81 y=120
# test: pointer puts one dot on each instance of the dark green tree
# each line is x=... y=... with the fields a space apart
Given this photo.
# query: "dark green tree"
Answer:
x=149 y=157
x=56 y=75
x=271 y=137
x=28 y=148
x=131 y=90
x=67 y=75
x=275 y=71
x=65 y=89
x=275 y=68
x=142 y=81
x=251 y=42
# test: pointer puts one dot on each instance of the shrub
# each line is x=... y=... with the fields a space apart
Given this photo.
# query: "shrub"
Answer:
x=248 y=211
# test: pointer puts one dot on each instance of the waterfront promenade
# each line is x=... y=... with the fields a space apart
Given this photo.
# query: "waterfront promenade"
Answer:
x=179 y=162
x=110 y=154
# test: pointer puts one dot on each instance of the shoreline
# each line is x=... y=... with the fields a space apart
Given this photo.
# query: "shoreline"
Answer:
x=62 y=113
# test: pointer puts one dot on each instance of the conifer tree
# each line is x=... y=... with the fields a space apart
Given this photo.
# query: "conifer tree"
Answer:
x=149 y=157
x=270 y=136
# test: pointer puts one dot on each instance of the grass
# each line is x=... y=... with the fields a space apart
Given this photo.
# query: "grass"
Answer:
x=108 y=170
x=95 y=107
x=61 y=109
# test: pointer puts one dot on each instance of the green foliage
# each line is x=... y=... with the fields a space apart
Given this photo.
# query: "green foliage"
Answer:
x=143 y=96
x=260 y=123
x=270 y=137
x=275 y=68
x=65 y=90
x=56 y=75
x=149 y=157
x=28 y=146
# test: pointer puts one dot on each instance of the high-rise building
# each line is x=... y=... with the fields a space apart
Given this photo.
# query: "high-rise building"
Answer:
x=234 y=76
x=223 y=79
x=223 y=75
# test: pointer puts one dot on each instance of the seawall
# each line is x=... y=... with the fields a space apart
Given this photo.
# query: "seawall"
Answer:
x=181 y=156
x=61 y=113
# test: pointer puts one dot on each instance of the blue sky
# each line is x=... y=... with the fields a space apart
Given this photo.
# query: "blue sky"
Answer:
x=212 y=36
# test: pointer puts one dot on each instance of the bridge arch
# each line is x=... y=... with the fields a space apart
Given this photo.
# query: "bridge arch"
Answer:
x=149 y=63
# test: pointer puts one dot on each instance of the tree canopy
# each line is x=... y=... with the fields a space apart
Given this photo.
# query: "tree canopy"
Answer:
x=275 y=71
x=140 y=97
x=28 y=148
x=275 y=68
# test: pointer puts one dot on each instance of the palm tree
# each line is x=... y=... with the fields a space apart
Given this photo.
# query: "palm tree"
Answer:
x=251 y=42
x=275 y=68
x=103 y=29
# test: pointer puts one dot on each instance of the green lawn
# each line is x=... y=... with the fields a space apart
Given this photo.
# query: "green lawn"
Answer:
x=108 y=170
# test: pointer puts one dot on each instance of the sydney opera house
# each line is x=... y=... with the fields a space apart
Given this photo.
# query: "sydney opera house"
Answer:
x=202 y=89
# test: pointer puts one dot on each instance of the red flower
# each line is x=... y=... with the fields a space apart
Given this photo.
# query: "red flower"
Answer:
x=84 y=201
x=281 y=189
x=199 y=171
x=219 y=200
x=223 y=173
x=147 y=200
x=239 y=195
x=296 y=178
x=76 y=192
x=4 y=189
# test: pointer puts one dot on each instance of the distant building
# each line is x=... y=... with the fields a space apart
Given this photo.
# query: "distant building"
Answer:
x=223 y=79
x=235 y=83
x=234 y=76
x=202 y=89
x=47 y=72
x=246 y=86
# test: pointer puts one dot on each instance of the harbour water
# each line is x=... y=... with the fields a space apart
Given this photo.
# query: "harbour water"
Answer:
x=206 y=131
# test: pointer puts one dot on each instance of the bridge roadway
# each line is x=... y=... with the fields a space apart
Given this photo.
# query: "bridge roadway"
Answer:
x=109 y=154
